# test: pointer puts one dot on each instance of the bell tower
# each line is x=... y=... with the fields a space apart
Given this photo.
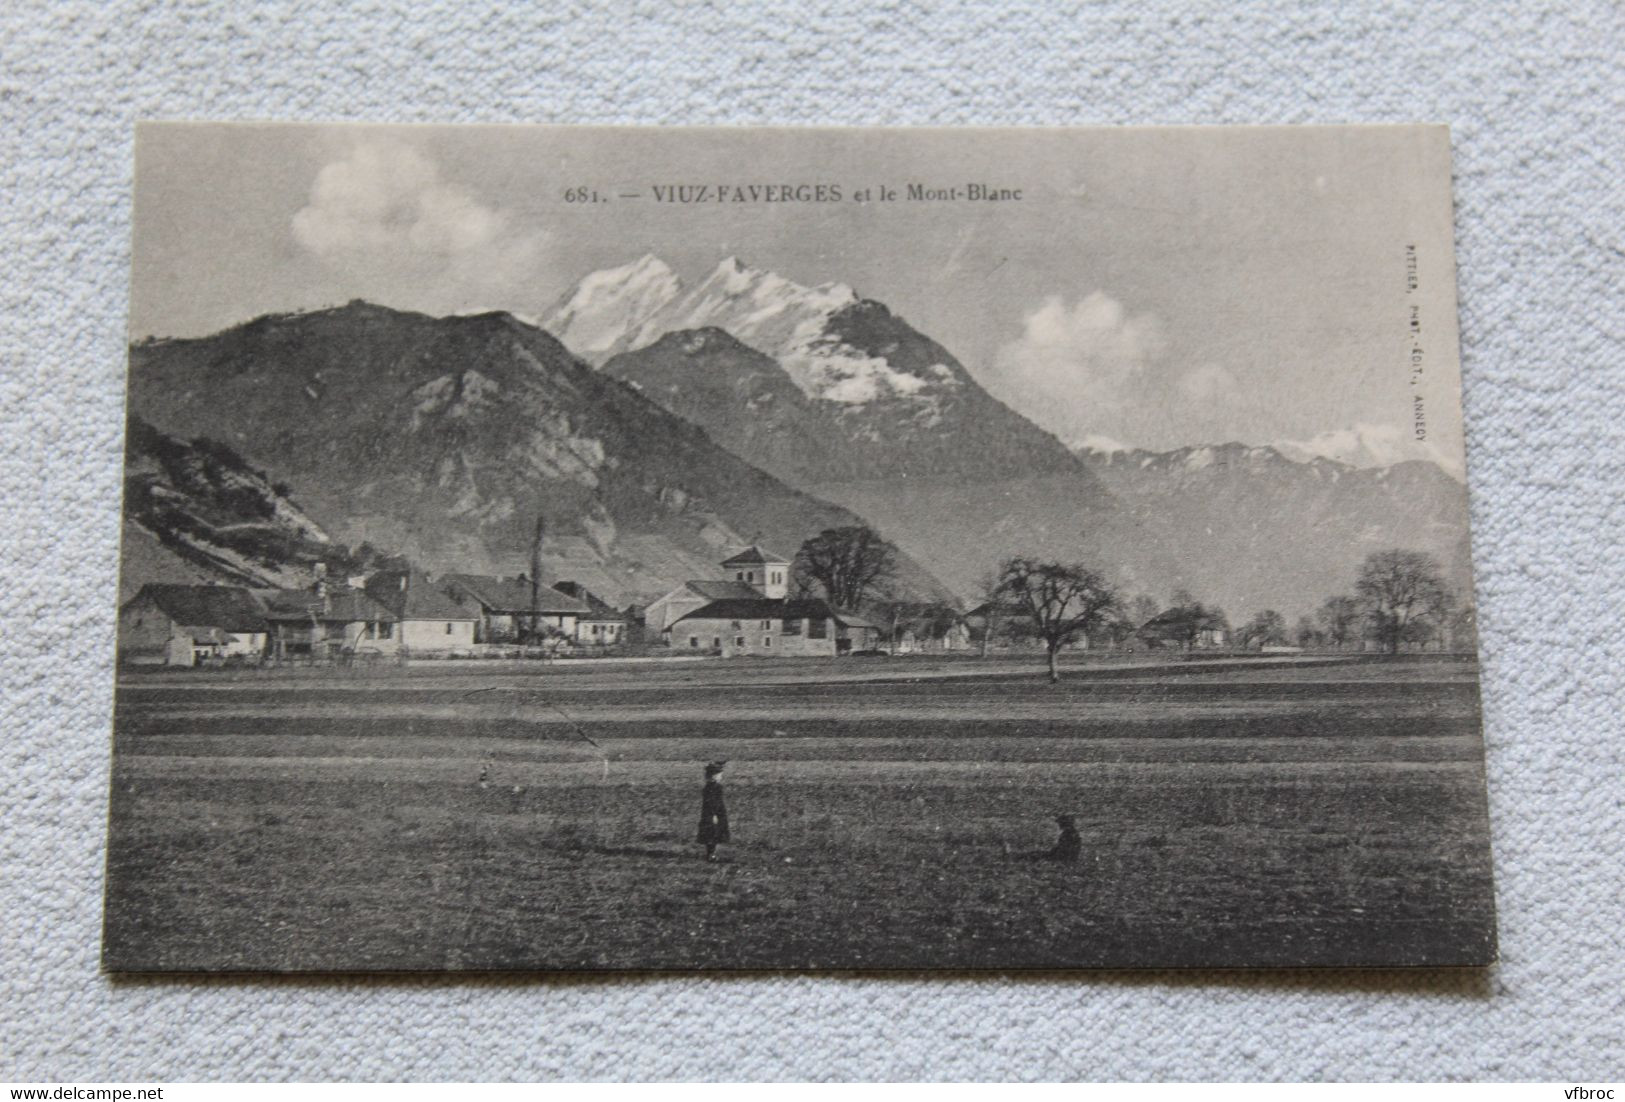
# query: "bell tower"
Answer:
x=763 y=571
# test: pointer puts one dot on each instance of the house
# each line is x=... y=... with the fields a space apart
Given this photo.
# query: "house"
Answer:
x=768 y=626
x=327 y=622
x=181 y=625
x=431 y=620
x=1180 y=627
x=933 y=630
x=1000 y=625
x=755 y=573
x=926 y=628
x=855 y=632
x=749 y=613
x=510 y=612
x=663 y=613
x=600 y=625
x=752 y=613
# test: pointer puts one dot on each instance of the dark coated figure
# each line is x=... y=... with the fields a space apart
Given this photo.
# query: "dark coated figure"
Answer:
x=713 y=812
x=1070 y=844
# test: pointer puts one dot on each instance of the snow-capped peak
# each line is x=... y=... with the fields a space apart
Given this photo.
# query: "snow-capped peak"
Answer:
x=626 y=308
x=594 y=317
x=765 y=310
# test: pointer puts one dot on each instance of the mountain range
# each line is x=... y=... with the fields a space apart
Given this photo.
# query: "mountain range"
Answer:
x=1251 y=528
x=657 y=424
x=812 y=384
x=441 y=439
x=838 y=395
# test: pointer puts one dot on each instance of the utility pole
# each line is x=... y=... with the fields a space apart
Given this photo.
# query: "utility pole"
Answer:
x=536 y=574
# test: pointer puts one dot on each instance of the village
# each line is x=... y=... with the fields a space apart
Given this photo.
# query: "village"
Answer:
x=756 y=607
x=400 y=614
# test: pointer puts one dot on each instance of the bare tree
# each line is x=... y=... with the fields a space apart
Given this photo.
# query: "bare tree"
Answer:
x=1268 y=628
x=893 y=610
x=850 y=564
x=802 y=588
x=1397 y=588
x=988 y=589
x=1062 y=600
x=1339 y=619
x=1188 y=618
x=1306 y=634
x=1433 y=622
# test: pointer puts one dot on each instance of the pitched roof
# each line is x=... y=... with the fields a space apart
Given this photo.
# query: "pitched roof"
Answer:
x=227 y=607
x=410 y=595
x=1180 y=622
x=854 y=620
x=340 y=603
x=512 y=595
x=721 y=591
x=428 y=602
x=760 y=608
x=596 y=608
x=754 y=555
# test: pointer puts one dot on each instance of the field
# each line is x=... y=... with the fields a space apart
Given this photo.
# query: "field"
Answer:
x=885 y=814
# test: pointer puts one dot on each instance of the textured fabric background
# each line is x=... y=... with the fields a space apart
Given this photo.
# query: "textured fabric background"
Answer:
x=1535 y=96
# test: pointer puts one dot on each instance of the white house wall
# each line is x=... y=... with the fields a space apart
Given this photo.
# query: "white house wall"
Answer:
x=750 y=638
x=607 y=635
x=432 y=635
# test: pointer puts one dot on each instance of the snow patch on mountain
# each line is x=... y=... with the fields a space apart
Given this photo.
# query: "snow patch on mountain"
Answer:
x=606 y=305
x=1367 y=445
x=1328 y=456
x=630 y=307
x=1095 y=442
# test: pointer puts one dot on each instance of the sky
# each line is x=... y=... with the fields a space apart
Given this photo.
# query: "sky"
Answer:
x=1150 y=287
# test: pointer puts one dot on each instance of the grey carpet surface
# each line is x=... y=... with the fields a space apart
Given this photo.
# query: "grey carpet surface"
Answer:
x=1535 y=98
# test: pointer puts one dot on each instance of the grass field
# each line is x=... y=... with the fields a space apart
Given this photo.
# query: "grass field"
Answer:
x=884 y=815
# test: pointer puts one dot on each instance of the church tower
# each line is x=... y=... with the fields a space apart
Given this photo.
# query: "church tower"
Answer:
x=763 y=571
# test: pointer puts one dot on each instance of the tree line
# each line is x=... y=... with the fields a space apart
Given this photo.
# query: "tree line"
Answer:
x=1399 y=598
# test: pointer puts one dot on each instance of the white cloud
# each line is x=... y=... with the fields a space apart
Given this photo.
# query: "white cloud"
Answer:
x=1079 y=369
x=384 y=209
x=387 y=195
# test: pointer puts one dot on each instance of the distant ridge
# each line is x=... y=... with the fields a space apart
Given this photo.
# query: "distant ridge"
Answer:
x=1247 y=527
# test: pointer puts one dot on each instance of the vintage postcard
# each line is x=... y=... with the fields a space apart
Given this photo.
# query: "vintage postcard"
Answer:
x=586 y=548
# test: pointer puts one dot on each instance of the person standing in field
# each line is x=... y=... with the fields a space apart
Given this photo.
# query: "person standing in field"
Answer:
x=713 y=812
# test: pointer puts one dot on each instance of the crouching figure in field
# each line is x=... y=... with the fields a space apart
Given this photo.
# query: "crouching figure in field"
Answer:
x=713 y=812
x=1069 y=845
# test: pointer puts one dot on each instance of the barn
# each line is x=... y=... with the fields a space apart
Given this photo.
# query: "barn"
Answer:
x=181 y=625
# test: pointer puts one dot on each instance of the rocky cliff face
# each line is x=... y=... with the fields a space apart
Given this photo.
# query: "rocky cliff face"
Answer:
x=196 y=511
